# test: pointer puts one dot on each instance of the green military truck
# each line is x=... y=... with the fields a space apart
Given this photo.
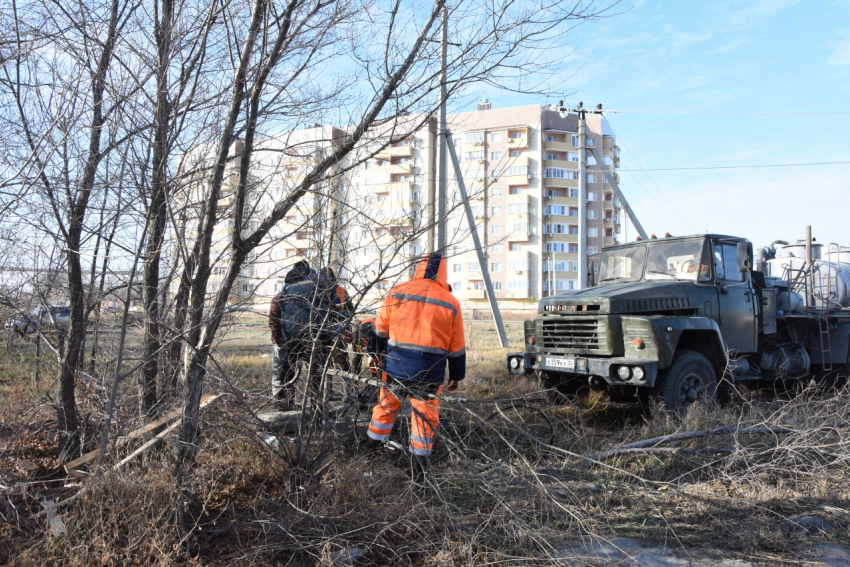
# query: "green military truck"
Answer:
x=676 y=318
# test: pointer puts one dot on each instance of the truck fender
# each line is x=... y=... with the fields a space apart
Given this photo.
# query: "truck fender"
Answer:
x=700 y=334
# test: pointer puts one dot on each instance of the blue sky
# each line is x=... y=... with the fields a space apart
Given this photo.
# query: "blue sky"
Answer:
x=736 y=79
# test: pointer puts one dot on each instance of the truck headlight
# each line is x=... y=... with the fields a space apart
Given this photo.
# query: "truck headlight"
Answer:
x=623 y=372
x=637 y=372
x=514 y=363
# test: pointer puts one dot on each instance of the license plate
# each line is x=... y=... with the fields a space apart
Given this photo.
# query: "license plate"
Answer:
x=566 y=363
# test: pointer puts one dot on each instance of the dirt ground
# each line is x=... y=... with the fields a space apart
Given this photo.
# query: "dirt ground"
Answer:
x=515 y=482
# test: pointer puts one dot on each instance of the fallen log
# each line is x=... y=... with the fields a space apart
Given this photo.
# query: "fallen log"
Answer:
x=687 y=435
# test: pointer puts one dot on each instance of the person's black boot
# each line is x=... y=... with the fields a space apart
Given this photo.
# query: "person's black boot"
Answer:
x=422 y=473
x=368 y=445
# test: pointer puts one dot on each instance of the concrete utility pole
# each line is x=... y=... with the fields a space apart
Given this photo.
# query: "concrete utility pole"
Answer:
x=482 y=260
x=582 y=197
x=442 y=170
x=620 y=196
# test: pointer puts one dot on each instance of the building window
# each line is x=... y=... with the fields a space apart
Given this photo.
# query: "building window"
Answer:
x=495 y=266
x=477 y=155
x=245 y=287
x=591 y=195
x=495 y=211
x=477 y=285
x=591 y=178
x=593 y=232
x=516 y=153
x=518 y=227
x=495 y=229
x=575 y=140
x=495 y=156
x=592 y=214
x=496 y=137
x=473 y=266
x=497 y=286
x=518 y=265
x=517 y=208
x=551 y=156
x=495 y=249
x=572 y=156
x=554 y=173
x=474 y=137
x=516 y=246
x=551 y=138
x=574 y=266
x=515 y=135
x=573 y=212
x=573 y=193
x=591 y=142
x=495 y=191
x=381 y=196
x=515 y=190
x=518 y=170
x=591 y=250
x=517 y=284
x=456 y=268
x=573 y=248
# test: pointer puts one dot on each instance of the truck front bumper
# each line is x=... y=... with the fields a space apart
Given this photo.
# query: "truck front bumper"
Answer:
x=522 y=363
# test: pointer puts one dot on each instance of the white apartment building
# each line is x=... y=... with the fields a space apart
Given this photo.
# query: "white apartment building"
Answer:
x=372 y=222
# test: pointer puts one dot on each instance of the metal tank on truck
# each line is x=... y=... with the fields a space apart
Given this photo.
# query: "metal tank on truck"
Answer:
x=678 y=318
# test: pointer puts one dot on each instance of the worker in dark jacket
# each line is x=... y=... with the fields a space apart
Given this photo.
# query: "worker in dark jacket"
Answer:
x=303 y=318
x=420 y=327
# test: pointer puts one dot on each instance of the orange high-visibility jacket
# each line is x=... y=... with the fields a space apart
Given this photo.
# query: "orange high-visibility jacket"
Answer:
x=423 y=325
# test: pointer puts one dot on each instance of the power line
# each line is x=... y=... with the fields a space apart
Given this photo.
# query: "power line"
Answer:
x=738 y=166
x=677 y=113
x=730 y=106
x=673 y=207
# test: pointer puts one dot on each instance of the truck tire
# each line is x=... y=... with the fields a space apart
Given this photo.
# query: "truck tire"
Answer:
x=558 y=386
x=690 y=378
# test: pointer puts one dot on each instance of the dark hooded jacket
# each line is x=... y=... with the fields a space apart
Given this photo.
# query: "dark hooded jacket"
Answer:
x=307 y=307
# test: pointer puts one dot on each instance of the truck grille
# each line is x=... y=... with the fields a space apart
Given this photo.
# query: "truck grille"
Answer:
x=575 y=333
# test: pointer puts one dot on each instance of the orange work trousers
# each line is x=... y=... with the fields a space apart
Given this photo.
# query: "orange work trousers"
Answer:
x=424 y=417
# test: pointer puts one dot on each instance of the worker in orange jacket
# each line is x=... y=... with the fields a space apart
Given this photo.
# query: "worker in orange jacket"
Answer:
x=420 y=327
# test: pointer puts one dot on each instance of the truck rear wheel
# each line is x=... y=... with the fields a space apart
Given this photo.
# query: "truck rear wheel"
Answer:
x=688 y=380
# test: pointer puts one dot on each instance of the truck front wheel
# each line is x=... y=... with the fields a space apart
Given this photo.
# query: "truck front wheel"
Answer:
x=689 y=379
x=560 y=386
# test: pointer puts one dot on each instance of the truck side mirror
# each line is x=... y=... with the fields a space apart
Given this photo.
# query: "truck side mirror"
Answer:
x=743 y=253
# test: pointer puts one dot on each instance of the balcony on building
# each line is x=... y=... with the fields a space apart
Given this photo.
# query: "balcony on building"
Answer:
x=391 y=187
x=608 y=205
x=401 y=149
x=610 y=241
x=517 y=138
x=559 y=147
x=607 y=144
x=393 y=168
x=516 y=173
x=560 y=199
x=474 y=293
x=560 y=164
x=560 y=236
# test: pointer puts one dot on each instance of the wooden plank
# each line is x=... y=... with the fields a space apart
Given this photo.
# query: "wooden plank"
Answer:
x=147 y=445
x=160 y=436
x=90 y=456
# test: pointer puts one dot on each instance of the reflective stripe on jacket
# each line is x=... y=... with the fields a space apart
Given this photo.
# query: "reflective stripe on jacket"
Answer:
x=424 y=326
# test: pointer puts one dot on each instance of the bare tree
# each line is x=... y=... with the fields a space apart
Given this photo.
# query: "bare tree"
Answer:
x=280 y=53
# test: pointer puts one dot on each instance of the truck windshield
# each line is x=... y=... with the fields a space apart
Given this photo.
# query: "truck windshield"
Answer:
x=624 y=264
x=686 y=260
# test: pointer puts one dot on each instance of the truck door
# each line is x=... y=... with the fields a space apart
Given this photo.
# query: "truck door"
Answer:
x=736 y=299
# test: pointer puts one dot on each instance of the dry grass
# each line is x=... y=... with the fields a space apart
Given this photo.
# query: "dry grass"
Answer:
x=502 y=498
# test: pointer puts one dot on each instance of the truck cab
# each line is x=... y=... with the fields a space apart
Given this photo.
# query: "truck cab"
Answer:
x=665 y=318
